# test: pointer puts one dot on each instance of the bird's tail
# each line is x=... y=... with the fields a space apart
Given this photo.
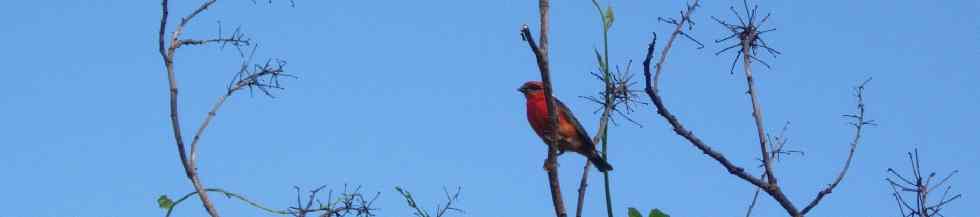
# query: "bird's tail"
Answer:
x=599 y=162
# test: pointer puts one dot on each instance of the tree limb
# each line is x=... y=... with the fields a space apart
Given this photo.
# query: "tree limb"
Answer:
x=652 y=91
x=858 y=126
x=189 y=164
x=541 y=55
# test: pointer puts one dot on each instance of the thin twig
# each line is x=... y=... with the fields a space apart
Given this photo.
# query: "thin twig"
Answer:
x=229 y=195
x=581 y=188
x=440 y=210
x=858 y=126
x=755 y=198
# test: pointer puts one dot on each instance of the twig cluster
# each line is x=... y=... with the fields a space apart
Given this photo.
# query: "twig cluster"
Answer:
x=921 y=186
x=618 y=94
x=749 y=41
x=348 y=203
x=777 y=145
x=685 y=20
x=440 y=211
x=237 y=39
x=748 y=34
x=263 y=77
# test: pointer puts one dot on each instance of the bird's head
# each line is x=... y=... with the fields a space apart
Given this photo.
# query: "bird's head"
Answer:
x=531 y=87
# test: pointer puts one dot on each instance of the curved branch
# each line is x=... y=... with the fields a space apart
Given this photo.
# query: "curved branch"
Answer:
x=229 y=195
x=652 y=91
x=189 y=164
x=858 y=126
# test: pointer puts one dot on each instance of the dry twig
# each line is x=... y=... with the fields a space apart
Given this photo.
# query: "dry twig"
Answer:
x=349 y=202
x=440 y=210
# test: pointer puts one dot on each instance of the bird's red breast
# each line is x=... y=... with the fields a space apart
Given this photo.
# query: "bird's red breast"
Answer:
x=537 y=115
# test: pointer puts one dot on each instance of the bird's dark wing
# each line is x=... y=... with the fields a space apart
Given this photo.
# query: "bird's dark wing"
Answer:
x=582 y=134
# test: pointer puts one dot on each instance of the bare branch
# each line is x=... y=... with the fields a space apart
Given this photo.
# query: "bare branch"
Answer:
x=755 y=198
x=189 y=164
x=750 y=40
x=541 y=54
x=748 y=35
x=943 y=181
x=237 y=39
x=860 y=123
x=892 y=171
x=652 y=91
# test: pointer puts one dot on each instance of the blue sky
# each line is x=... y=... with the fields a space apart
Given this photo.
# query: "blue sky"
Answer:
x=420 y=94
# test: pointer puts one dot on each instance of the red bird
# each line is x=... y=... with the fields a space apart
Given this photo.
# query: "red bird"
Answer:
x=571 y=134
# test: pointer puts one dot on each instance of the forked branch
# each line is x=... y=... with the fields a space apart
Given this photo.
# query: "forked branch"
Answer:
x=189 y=164
x=749 y=41
x=262 y=77
x=652 y=90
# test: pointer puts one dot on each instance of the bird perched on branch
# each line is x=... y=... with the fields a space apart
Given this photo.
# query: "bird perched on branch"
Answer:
x=571 y=134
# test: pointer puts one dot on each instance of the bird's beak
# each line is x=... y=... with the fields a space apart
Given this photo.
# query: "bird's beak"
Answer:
x=520 y=89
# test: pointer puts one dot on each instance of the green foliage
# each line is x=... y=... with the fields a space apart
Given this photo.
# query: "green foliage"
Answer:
x=633 y=212
x=657 y=213
x=608 y=18
x=165 y=202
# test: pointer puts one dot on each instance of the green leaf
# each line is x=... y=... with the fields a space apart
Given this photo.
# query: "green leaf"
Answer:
x=657 y=213
x=634 y=213
x=609 y=17
x=165 y=202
